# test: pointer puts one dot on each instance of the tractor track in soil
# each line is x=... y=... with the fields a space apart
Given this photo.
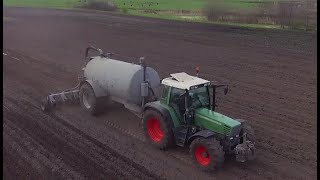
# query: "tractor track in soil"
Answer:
x=271 y=74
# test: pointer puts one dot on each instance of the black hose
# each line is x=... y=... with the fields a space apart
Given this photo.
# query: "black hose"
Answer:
x=78 y=85
x=151 y=91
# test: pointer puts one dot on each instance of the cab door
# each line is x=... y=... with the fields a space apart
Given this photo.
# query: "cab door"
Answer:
x=177 y=103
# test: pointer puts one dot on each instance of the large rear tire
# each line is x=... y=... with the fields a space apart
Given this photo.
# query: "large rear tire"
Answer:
x=88 y=100
x=158 y=129
x=207 y=153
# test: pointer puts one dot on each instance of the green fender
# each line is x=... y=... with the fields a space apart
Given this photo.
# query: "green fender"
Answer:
x=165 y=110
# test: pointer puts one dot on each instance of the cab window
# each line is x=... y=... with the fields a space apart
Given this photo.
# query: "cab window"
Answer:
x=200 y=95
x=165 y=91
x=175 y=93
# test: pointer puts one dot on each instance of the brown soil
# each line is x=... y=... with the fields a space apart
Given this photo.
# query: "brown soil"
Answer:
x=271 y=75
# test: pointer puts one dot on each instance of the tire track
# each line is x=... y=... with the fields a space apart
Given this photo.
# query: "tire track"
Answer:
x=97 y=151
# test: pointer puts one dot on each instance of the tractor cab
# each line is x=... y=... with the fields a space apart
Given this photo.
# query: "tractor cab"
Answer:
x=187 y=93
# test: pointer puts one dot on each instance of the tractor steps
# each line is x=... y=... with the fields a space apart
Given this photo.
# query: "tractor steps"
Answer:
x=181 y=135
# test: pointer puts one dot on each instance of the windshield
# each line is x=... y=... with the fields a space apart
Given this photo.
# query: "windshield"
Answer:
x=200 y=97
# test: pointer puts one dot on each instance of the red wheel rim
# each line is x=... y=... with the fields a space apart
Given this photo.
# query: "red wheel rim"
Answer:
x=202 y=155
x=154 y=129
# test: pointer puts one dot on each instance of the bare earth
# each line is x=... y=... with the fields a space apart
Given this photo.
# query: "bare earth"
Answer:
x=271 y=76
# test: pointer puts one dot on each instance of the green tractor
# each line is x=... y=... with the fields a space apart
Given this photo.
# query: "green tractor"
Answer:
x=185 y=116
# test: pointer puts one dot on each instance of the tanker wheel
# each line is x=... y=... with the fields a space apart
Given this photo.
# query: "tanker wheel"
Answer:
x=158 y=129
x=207 y=153
x=89 y=101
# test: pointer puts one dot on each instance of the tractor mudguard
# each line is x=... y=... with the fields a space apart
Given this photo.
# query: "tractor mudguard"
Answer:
x=159 y=108
x=242 y=121
x=203 y=133
x=98 y=91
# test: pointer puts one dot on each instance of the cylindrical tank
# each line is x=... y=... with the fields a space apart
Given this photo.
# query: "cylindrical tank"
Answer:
x=121 y=80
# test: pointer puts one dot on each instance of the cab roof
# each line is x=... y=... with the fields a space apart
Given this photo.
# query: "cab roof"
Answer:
x=184 y=81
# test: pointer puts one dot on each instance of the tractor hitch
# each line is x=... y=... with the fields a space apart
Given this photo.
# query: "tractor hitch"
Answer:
x=245 y=151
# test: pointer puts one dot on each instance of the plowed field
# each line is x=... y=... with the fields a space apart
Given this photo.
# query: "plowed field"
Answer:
x=271 y=76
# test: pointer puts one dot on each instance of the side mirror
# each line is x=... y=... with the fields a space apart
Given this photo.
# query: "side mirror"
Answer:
x=226 y=90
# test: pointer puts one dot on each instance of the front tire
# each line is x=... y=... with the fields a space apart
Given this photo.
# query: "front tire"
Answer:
x=157 y=129
x=207 y=153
